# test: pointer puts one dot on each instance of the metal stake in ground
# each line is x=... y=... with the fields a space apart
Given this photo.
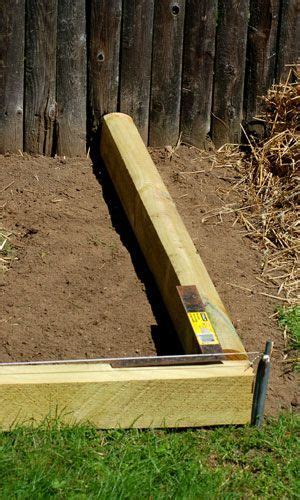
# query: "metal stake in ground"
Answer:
x=261 y=385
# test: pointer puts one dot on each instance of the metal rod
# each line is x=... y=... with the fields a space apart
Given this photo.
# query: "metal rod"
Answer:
x=141 y=361
x=261 y=385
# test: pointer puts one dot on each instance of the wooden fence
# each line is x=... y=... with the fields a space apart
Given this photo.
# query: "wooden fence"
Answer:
x=190 y=66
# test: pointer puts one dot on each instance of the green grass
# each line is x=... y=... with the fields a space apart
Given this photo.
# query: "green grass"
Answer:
x=78 y=463
x=220 y=463
x=290 y=318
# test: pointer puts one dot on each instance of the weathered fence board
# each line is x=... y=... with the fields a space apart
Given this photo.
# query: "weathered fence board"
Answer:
x=12 y=38
x=198 y=70
x=261 y=52
x=166 y=72
x=229 y=70
x=289 y=37
x=71 y=78
x=189 y=67
x=40 y=76
x=136 y=61
x=105 y=30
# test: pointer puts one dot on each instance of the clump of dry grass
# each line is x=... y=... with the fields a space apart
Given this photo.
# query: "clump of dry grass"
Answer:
x=270 y=182
x=7 y=252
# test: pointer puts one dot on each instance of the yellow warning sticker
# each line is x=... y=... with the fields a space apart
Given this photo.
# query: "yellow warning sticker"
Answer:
x=203 y=328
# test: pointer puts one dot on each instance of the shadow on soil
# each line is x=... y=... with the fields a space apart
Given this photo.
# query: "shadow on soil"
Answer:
x=163 y=334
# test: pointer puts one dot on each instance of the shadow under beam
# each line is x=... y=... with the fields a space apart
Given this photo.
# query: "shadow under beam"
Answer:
x=163 y=333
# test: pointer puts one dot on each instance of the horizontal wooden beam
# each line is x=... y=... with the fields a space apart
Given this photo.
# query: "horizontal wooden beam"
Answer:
x=161 y=234
x=127 y=397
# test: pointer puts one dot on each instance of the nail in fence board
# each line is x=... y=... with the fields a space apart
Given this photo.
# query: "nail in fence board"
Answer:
x=136 y=62
x=71 y=78
x=12 y=31
x=198 y=70
x=105 y=26
x=166 y=72
x=289 y=37
x=229 y=70
x=40 y=76
x=261 y=52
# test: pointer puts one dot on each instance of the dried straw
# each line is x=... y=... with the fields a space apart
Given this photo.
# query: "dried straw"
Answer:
x=270 y=182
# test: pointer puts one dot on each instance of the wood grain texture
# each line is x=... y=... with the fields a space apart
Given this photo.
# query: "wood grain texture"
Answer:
x=230 y=62
x=71 y=78
x=168 y=248
x=128 y=397
x=40 y=76
x=289 y=37
x=261 y=53
x=136 y=62
x=166 y=72
x=198 y=70
x=104 y=51
x=12 y=40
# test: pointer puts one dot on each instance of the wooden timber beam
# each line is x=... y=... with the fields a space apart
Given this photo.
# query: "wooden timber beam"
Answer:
x=161 y=234
x=106 y=397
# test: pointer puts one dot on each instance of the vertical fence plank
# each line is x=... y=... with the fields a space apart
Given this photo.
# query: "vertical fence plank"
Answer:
x=289 y=37
x=105 y=28
x=198 y=70
x=40 y=69
x=136 y=62
x=261 y=52
x=12 y=38
x=166 y=72
x=42 y=87
x=230 y=62
x=71 y=78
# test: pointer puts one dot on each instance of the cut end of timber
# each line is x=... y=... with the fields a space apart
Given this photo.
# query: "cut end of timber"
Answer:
x=120 y=116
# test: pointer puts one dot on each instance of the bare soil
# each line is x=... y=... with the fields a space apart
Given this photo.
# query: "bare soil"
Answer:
x=77 y=285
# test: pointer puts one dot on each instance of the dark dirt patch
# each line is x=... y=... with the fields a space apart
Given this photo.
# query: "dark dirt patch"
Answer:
x=80 y=287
